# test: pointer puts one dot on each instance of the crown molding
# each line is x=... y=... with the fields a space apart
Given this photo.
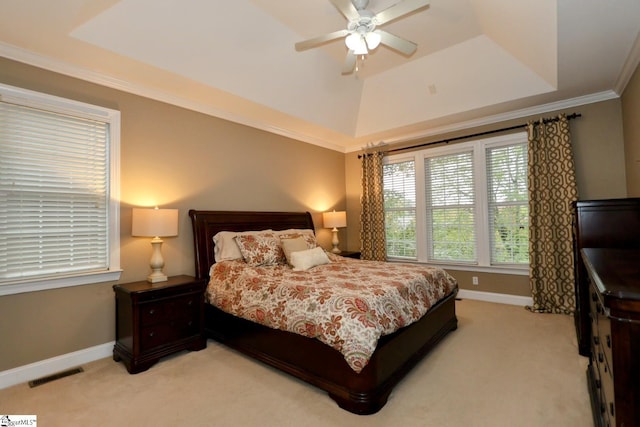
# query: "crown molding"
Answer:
x=629 y=67
x=503 y=117
x=54 y=65
x=30 y=58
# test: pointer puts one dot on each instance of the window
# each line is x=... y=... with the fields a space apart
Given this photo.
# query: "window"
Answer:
x=450 y=206
x=508 y=204
x=465 y=204
x=59 y=221
x=400 y=208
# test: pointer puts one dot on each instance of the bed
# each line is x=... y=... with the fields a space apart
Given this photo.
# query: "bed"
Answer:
x=308 y=359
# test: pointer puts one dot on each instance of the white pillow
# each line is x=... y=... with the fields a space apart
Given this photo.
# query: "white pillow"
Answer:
x=225 y=246
x=304 y=260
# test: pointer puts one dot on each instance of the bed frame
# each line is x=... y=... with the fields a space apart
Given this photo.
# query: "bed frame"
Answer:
x=306 y=358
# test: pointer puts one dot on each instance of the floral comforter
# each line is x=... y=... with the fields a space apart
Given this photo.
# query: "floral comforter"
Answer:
x=347 y=304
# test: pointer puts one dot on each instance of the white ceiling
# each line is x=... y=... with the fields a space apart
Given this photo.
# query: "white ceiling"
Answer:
x=478 y=61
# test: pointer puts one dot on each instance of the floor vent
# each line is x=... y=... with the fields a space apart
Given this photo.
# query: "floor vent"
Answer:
x=44 y=380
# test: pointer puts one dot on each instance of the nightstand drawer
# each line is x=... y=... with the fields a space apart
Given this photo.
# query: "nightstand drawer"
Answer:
x=159 y=334
x=160 y=311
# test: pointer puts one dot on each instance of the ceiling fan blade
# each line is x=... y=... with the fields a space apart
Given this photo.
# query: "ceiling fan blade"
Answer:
x=317 y=41
x=347 y=9
x=397 y=43
x=349 y=63
x=400 y=9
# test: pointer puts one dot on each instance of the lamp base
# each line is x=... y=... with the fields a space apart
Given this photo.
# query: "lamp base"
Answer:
x=156 y=263
x=335 y=241
x=157 y=277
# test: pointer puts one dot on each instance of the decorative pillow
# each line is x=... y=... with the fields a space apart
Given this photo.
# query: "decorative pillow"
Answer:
x=297 y=231
x=225 y=246
x=304 y=260
x=260 y=249
x=294 y=244
x=307 y=235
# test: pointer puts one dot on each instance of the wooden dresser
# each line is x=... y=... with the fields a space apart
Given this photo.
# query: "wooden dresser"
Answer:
x=613 y=223
x=614 y=369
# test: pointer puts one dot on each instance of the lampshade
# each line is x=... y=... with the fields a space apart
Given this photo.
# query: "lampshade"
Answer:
x=373 y=40
x=356 y=43
x=334 y=219
x=154 y=222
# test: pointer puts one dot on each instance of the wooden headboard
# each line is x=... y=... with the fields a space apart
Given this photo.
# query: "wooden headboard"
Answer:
x=207 y=223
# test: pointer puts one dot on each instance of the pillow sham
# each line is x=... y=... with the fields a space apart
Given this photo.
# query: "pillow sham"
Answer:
x=307 y=235
x=293 y=244
x=304 y=260
x=260 y=249
x=225 y=246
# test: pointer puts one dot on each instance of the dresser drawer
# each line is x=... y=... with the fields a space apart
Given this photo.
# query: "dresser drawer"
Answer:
x=614 y=370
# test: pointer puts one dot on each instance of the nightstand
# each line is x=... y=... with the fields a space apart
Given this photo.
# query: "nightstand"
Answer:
x=157 y=319
x=350 y=254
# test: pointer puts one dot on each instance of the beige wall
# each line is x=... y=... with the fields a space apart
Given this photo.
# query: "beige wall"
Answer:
x=177 y=158
x=631 y=122
x=600 y=174
x=174 y=158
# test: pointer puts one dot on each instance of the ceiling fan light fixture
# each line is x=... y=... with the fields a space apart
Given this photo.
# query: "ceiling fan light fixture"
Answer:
x=356 y=43
x=373 y=40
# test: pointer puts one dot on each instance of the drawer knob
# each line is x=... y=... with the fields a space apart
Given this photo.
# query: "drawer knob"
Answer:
x=151 y=334
x=600 y=357
x=609 y=341
x=190 y=302
x=596 y=340
x=152 y=311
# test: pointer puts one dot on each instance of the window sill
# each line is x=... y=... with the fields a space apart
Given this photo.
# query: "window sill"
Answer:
x=59 y=282
x=462 y=267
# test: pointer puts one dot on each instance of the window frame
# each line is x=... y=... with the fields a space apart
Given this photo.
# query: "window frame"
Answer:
x=61 y=105
x=483 y=244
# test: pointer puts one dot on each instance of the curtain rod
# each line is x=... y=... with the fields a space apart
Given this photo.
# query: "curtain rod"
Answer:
x=448 y=140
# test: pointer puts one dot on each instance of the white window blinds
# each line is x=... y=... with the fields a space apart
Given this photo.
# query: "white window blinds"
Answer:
x=54 y=193
x=508 y=204
x=400 y=209
x=450 y=205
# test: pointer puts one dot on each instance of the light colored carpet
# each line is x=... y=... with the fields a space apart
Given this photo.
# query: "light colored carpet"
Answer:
x=503 y=366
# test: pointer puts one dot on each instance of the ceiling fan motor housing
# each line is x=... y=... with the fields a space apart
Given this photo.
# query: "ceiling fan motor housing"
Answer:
x=365 y=24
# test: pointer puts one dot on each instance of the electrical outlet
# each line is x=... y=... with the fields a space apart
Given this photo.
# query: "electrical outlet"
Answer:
x=474 y=280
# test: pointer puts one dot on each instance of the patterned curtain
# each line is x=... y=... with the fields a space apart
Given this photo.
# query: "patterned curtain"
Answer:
x=372 y=233
x=552 y=189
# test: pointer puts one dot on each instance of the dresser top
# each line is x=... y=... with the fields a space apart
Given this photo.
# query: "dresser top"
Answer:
x=616 y=272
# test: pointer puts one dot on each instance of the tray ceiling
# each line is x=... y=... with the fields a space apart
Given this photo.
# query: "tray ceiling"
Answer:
x=477 y=60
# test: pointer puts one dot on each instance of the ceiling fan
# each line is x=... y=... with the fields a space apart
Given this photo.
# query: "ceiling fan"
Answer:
x=362 y=34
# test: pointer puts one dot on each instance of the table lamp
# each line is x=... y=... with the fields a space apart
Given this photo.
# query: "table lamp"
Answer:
x=156 y=223
x=335 y=220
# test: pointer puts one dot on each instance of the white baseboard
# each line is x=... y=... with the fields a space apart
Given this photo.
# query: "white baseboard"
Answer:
x=54 y=365
x=495 y=297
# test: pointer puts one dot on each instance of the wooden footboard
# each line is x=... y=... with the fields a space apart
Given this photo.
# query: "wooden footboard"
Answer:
x=322 y=366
